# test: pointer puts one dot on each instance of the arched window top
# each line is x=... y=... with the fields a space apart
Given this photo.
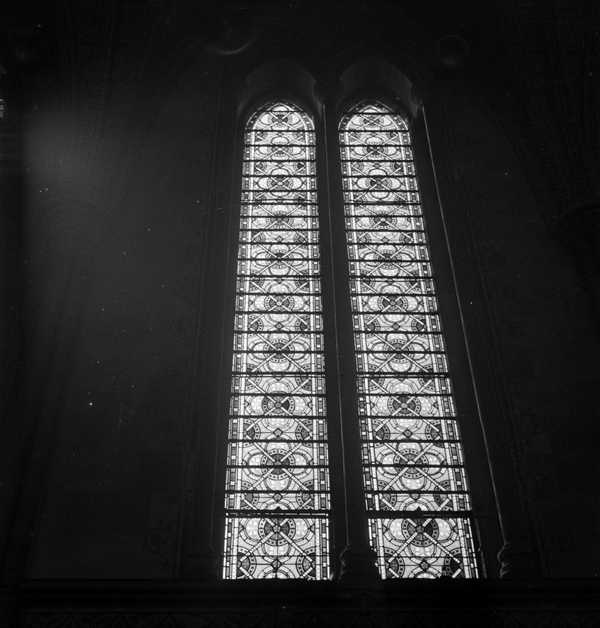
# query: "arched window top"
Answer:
x=372 y=116
x=282 y=118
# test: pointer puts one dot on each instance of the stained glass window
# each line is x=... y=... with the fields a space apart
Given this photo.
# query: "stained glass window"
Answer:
x=277 y=499
x=417 y=500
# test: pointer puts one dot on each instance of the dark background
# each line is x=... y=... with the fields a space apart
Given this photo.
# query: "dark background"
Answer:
x=114 y=153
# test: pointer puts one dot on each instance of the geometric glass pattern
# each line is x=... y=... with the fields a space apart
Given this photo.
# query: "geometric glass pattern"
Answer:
x=277 y=501
x=417 y=500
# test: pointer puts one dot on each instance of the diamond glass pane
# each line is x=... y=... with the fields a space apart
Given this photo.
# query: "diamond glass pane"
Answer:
x=277 y=486
x=416 y=490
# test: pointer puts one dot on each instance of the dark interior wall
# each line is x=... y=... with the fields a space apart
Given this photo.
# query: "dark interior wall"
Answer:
x=515 y=277
x=121 y=222
x=114 y=480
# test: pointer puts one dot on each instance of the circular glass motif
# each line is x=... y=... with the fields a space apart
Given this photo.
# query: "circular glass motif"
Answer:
x=452 y=565
x=392 y=303
x=272 y=404
x=305 y=565
x=387 y=256
x=246 y=565
x=420 y=532
x=278 y=460
x=401 y=405
x=281 y=118
x=301 y=324
x=303 y=429
x=394 y=564
x=279 y=302
x=383 y=221
x=255 y=323
x=381 y=430
x=276 y=532
x=399 y=357
x=279 y=182
x=279 y=221
x=374 y=146
x=411 y=477
x=250 y=500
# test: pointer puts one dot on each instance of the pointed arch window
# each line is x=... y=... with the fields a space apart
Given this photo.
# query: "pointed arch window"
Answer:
x=417 y=510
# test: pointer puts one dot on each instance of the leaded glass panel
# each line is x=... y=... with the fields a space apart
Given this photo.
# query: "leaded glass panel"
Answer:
x=417 y=498
x=277 y=498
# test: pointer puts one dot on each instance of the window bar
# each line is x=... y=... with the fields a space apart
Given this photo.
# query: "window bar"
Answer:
x=416 y=492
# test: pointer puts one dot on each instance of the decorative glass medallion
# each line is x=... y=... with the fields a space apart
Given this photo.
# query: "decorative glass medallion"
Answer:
x=277 y=487
x=417 y=499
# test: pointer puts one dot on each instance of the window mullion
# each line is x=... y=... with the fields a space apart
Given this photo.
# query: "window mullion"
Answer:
x=357 y=557
x=339 y=514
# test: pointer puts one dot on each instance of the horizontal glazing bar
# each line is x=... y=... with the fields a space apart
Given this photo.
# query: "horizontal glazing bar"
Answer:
x=280 y=311
x=283 y=147
x=412 y=418
x=278 y=352
x=383 y=160
x=385 y=307
x=290 y=417
x=275 y=395
x=280 y=260
x=357 y=277
x=393 y=127
x=285 y=465
x=252 y=206
x=378 y=146
x=419 y=492
x=262 y=230
x=297 y=244
x=402 y=395
x=420 y=515
x=273 y=131
x=301 y=160
x=282 y=192
x=399 y=352
x=290 y=277
x=287 y=514
x=382 y=230
x=365 y=377
x=378 y=177
x=438 y=442
x=280 y=293
x=277 y=218
x=406 y=417
x=290 y=332
x=351 y=207
x=252 y=373
x=280 y=177
x=283 y=441
x=286 y=492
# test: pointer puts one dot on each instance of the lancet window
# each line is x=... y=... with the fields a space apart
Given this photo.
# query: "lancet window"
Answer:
x=277 y=485
x=277 y=496
x=417 y=501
